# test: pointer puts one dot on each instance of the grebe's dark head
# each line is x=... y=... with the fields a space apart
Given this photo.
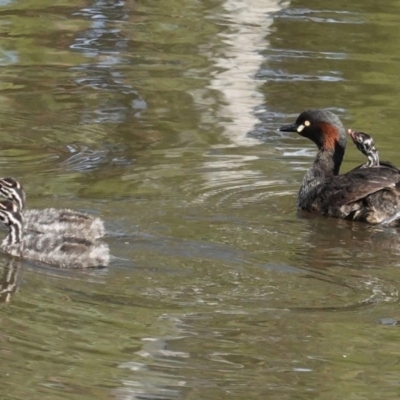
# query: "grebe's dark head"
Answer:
x=323 y=127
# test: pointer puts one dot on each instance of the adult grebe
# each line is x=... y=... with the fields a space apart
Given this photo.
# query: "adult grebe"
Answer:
x=364 y=194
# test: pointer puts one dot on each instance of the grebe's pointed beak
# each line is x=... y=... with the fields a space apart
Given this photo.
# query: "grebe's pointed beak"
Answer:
x=290 y=128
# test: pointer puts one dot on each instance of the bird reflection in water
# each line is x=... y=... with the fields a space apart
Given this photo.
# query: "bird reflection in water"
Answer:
x=9 y=281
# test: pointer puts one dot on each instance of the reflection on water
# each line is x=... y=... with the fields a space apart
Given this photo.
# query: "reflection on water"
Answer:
x=9 y=280
x=162 y=119
x=83 y=158
x=236 y=62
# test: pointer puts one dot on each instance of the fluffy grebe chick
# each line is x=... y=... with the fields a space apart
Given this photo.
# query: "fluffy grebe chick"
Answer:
x=64 y=221
x=363 y=194
x=366 y=145
x=49 y=248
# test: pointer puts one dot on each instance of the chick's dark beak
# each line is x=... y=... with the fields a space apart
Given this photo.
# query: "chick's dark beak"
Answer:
x=289 y=128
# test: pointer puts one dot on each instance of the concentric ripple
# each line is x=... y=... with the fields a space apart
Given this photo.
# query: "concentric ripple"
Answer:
x=236 y=180
x=240 y=188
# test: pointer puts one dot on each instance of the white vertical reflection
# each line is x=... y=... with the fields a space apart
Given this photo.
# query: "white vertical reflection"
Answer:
x=238 y=61
x=236 y=55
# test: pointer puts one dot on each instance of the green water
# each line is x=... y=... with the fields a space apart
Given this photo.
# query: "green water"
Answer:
x=162 y=118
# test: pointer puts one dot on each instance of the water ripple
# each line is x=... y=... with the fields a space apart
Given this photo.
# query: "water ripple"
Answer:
x=84 y=158
x=279 y=76
x=240 y=188
x=321 y=16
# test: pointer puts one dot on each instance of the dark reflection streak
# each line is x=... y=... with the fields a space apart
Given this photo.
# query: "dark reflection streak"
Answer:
x=206 y=250
x=88 y=274
x=118 y=102
x=350 y=307
x=336 y=248
x=332 y=279
x=114 y=299
x=107 y=41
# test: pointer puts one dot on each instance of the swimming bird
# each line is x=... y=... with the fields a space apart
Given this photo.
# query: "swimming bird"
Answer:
x=49 y=248
x=363 y=194
x=64 y=221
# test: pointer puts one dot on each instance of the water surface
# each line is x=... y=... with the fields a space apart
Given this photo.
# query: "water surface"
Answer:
x=163 y=120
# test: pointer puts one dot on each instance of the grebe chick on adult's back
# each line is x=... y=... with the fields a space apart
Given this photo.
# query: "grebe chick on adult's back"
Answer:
x=64 y=221
x=370 y=195
x=366 y=145
x=50 y=248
